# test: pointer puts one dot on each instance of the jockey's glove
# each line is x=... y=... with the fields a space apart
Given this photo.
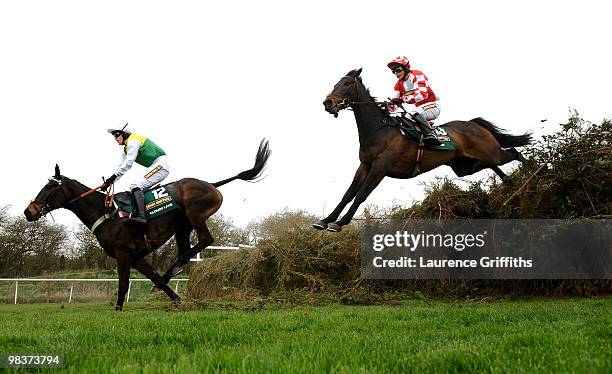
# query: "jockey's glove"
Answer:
x=110 y=180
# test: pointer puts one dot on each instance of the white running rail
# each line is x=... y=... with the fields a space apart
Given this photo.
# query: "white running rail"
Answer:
x=220 y=248
x=72 y=280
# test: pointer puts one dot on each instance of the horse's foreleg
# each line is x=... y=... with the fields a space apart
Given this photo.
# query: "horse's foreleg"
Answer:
x=358 y=179
x=124 y=260
x=374 y=177
x=148 y=271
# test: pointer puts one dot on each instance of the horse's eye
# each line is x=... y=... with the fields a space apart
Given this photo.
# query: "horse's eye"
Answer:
x=347 y=83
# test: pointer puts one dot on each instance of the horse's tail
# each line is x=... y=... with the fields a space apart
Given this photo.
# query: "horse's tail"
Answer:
x=505 y=140
x=263 y=153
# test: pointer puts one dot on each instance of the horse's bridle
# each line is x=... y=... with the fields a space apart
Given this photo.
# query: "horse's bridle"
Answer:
x=345 y=103
x=46 y=209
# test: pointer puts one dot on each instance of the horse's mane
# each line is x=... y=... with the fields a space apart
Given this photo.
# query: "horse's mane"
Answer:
x=370 y=96
x=76 y=182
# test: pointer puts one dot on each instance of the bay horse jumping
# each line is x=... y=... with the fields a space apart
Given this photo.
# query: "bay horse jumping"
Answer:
x=384 y=151
x=129 y=243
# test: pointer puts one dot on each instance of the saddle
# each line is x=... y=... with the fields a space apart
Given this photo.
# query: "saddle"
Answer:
x=158 y=200
x=411 y=130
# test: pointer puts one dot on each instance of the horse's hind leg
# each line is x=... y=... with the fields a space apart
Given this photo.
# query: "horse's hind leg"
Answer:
x=186 y=252
x=463 y=166
x=204 y=240
x=511 y=154
x=182 y=242
x=467 y=166
x=147 y=270
x=501 y=174
x=507 y=155
x=197 y=209
x=197 y=220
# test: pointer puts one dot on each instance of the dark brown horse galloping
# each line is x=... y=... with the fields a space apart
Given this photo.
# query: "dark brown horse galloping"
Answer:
x=384 y=151
x=125 y=242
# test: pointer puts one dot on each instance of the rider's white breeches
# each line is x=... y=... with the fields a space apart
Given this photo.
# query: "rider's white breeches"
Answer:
x=429 y=111
x=153 y=175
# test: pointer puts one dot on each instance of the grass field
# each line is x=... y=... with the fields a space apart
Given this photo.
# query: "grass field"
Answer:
x=570 y=335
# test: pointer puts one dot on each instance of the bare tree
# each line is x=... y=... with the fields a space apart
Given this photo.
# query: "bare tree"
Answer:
x=30 y=248
x=87 y=252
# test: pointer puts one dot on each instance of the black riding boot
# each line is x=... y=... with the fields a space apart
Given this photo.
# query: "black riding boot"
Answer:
x=429 y=135
x=138 y=212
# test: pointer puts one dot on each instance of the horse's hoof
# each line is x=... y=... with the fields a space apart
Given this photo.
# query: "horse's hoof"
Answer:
x=334 y=227
x=176 y=302
x=118 y=308
x=154 y=289
x=321 y=225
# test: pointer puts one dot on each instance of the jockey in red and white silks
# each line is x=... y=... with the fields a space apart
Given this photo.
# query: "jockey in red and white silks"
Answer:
x=412 y=87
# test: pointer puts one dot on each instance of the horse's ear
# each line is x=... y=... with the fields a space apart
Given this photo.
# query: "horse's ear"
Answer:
x=355 y=73
x=57 y=171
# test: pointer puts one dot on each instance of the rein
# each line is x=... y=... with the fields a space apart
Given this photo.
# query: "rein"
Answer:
x=85 y=194
x=368 y=102
x=110 y=197
x=108 y=202
x=346 y=103
x=47 y=208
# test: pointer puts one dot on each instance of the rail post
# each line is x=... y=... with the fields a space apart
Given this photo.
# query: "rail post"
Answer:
x=128 y=294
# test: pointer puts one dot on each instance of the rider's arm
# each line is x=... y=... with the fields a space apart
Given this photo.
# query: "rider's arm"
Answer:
x=128 y=159
x=396 y=95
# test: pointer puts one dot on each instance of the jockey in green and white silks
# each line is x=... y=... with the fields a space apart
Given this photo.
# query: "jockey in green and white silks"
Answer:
x=143 y=151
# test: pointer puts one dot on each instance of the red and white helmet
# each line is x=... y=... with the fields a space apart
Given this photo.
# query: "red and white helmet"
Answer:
x=399 y=60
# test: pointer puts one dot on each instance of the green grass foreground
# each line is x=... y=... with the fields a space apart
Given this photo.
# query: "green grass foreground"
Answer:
x=567 y=335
